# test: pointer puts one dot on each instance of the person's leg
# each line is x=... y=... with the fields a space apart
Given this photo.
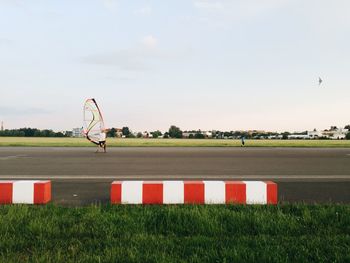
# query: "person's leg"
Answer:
x=99 y=145
x=104 y=147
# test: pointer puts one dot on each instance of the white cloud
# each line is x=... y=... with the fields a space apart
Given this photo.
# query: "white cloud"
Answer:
x=144 y=11
x=134 y=59
x=140 y=58
x=222 y=12
x=12 y=2
x=12 y=111
x=5 y=41
x=128 y=59
x=131 y=59
x=207 y=4
x=150 y=41
x=110 y=4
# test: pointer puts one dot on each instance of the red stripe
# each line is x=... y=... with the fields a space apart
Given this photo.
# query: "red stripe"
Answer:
x=235 y=192
x=271 y=189
x=42 y=192
x=193 y=192
x=152 y=193
x=6 y=192
x=116 y=192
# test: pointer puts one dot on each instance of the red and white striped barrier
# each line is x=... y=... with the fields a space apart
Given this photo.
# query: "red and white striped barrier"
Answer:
x=25 y=192
x=193 y=192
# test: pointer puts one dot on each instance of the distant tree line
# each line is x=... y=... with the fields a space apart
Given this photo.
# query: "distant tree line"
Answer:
x=176 y=132
x=31 y=132
x=173 y=132
x=125 y=132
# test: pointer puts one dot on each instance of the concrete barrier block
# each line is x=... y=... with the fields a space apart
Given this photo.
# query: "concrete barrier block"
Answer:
x=193 y=192
x=25 y=192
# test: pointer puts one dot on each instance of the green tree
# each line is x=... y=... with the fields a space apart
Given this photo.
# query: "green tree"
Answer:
x=175 y=132
x=126 y=131
x=111 y=132
x=348 y=136
x=139 y=135
x=59 y=134
x=199 y=135
x=37 y=133
x=156 y=134
x=285 y=135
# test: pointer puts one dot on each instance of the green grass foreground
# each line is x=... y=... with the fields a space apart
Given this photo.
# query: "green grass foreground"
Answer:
x=215 y=233
x=114 y=142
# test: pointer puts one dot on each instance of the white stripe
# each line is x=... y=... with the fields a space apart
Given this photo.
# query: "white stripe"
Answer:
x=214 y=192
x=173 y=192
x=23 y=192
x=132 y=192
x=256 y=192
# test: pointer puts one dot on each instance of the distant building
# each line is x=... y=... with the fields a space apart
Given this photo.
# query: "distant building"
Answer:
x=208 y=134
x=68 y=133
x=77 y=132
x=336 y=134
x=250 y=132
x=145 y=134
x=298 y=136
x=2 y=126
x=314 y=134
x=272 y=137
x=188 y=134
x=192 y=134
x=119 y=133
x=333 y=134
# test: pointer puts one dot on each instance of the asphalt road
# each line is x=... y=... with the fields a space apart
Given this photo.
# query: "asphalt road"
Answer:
x=81 y=176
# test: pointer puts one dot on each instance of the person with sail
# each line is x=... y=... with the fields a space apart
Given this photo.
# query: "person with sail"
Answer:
x=94 y=127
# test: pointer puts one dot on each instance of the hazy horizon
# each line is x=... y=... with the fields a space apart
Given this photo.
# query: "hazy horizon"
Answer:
x=199 y=64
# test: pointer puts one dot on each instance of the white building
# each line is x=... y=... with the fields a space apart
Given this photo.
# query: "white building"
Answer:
x=314 y=134
x=334 y=134
x=337 y=134
x=77 y=132
x=298 y=136
x=208 y=134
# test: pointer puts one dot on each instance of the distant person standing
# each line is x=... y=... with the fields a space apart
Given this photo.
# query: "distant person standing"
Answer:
x=242 y=141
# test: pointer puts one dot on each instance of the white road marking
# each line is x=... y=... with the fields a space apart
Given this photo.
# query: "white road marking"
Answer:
x=176 y=177
x=12 y=157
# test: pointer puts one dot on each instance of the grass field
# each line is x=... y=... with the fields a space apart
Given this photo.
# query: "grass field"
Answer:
x=284 y=233
x=113 y=142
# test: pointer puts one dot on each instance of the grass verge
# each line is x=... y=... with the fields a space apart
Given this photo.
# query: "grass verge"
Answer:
x=283 y=233
x=113 y=142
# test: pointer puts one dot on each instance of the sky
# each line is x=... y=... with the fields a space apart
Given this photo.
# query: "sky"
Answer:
x=197 y=64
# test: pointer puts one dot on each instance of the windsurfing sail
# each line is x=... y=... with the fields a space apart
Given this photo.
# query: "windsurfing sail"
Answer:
x=93 y=121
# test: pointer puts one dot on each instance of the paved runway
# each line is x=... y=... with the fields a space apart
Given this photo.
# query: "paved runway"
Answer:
x=81 y=177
